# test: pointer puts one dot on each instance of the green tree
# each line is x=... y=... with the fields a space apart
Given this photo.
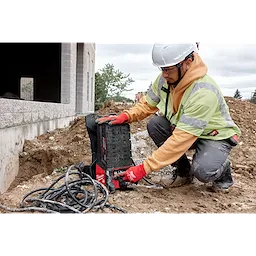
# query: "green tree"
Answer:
x=100 y=91
x=237 y=94
x=253 y=99
x=110 y=84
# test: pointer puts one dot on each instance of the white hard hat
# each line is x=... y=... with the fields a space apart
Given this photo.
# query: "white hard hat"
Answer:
x=165 y=55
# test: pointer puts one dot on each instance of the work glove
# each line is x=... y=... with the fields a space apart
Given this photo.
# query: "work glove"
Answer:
x=113 y=120
x=133 y=174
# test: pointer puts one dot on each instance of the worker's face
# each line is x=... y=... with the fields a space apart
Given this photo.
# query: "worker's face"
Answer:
x=171 y=74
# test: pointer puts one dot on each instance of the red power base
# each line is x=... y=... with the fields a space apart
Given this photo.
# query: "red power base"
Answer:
x=101 y=176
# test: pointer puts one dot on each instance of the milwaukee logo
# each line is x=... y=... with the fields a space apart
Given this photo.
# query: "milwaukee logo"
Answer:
x=101 y=178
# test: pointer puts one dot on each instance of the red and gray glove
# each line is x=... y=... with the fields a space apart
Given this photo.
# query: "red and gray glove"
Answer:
x=112 y=120
x=133 y=174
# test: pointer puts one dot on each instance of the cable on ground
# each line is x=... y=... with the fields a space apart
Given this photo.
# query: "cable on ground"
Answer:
x=79 y=194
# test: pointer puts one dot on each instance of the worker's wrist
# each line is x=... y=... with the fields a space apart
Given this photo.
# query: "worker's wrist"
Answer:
x=146 y=167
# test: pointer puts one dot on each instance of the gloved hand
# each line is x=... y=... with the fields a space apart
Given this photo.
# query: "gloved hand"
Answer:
x=112 y=120
x=133 y=174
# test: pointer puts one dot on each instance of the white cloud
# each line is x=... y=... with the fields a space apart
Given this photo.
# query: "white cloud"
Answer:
x=232 y=66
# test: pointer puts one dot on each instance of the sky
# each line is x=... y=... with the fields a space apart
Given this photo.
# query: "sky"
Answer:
x=232 y=66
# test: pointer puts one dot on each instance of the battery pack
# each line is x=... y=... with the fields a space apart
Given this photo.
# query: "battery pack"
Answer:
x=113 y=153
x=114 y=145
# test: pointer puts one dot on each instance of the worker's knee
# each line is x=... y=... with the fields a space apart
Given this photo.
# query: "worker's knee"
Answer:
x=90 y=121
x=158 y=129
x=205 y=172
x=157 y=123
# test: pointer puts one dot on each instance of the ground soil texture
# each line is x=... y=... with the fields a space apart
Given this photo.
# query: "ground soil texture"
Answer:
x=44 y=158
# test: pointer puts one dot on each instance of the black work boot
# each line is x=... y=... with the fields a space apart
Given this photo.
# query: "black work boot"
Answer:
x=182 y=179
x=182 y=174
x=225 y=181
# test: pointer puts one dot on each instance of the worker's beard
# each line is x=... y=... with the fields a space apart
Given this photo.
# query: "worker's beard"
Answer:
x=174 y=84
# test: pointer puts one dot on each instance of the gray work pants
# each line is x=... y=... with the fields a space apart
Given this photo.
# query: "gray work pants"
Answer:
x=210 y=159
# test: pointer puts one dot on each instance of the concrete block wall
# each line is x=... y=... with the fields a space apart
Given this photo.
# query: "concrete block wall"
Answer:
x=85 y=78
x=89 y=60
x=20 y=120
x=68 y=73
x=80 y=78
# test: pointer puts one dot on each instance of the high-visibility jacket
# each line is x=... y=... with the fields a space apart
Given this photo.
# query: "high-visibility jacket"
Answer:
x=202 y=109
x=196 y=107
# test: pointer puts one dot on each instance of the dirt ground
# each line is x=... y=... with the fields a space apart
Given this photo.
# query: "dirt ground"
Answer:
x=44 y=159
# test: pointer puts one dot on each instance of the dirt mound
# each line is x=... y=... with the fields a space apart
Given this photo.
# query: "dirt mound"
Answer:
x=63 y=147
x=243 y=156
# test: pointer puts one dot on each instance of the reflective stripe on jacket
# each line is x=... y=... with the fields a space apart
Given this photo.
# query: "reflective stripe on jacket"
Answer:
x=202 y=109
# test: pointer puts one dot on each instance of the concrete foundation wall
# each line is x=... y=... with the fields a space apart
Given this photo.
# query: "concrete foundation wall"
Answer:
x=20 y=120
x=18 y=112
x=12 y=141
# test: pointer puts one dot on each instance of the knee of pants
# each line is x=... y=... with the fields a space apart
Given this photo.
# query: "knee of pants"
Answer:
x=204 y=173
x=159 y=124
x=158 y=129
x=151 y=126
x=90 y=121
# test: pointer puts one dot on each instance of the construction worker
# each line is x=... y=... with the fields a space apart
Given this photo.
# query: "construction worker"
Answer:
x=195 y=116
